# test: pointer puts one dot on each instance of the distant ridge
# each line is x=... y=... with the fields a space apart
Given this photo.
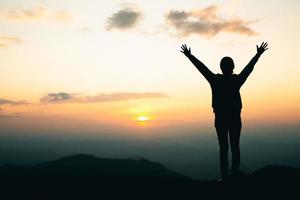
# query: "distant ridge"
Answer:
x=89 y=165
x=87 y=176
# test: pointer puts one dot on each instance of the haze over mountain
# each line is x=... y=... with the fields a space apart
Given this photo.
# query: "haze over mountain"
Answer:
x=185 y=151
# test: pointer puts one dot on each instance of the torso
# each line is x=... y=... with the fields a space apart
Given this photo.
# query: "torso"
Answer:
x=225 y=93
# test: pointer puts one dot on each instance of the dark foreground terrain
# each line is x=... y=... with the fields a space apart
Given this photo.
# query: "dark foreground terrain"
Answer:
x=88 y=177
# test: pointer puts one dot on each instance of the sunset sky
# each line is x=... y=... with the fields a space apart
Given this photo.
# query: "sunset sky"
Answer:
x=117 y=63
x=107 y=78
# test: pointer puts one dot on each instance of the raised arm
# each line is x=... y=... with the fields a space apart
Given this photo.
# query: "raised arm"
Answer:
x=250 y=66
x=198 y=64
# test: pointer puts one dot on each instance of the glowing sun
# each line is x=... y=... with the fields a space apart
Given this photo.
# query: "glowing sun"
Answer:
x=143 y=118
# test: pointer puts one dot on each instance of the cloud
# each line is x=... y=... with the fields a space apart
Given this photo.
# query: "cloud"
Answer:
x=6 y=41
x=57 y=97
x=63 y=97
x=62 y=16
x=11 y=102
x=206 y=22
x=14 y=115
x=34 y=14
x=124 y=19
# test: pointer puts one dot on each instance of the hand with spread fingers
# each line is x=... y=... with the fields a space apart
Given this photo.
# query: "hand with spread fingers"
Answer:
x=262 y=48
x=186 y=51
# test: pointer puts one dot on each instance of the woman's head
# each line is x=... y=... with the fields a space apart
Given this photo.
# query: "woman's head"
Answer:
x=227 y=65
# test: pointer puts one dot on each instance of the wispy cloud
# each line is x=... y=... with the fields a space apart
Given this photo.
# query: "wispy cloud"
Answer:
x=62 y=16
x=63 y=97
x=124 y=19
x=205 y=22
x=14 y=115
x=34 y=14
x=12 y=102
x=57 y=97
x=6 y=41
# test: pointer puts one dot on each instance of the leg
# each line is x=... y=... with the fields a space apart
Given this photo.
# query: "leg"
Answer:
x=223 y=145
x=234 y=137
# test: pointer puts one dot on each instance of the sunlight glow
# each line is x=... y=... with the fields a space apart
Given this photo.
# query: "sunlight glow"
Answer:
x=142 y=118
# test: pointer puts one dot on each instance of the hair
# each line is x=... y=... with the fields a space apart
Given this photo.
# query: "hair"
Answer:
x=227 y=65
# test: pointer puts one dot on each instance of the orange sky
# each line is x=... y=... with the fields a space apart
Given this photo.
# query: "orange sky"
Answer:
x=112 y=62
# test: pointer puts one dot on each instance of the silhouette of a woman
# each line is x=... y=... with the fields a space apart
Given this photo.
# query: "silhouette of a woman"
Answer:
x=227 y=104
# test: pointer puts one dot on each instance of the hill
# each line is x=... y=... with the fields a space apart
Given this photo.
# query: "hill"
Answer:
x=85 y=176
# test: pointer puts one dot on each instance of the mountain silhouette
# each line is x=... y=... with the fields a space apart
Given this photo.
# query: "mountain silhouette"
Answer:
x=86 y=177
x=89 y=165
